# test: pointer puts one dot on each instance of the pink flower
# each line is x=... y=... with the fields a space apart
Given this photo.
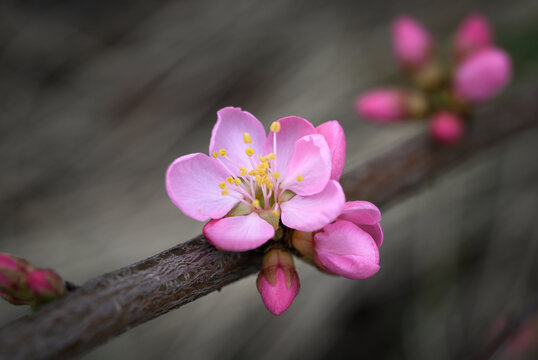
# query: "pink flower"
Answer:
x=349 y=246
x=412 y=43
x=473 y=34
x=251 y=181
x=45 y=284
x=382 y=105
x=482 y=75
x=446 y=128
x=278 y=282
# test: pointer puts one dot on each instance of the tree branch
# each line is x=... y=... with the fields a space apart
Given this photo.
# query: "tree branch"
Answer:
x=111 y=304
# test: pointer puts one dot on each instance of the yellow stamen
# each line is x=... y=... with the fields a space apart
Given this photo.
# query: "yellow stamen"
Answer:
x=249 y=151
x=243 y=171
x=215 y=155
x=276 y=174
x=246 y=138
x=270 y=186
x=271 y=156
x=230 y=180
x=222 y=152
x=237 y=181
x=255 y=203
x=299 y=177
x=262 y=158
x=224 y=192
x=222 y=185
x=275 y=213
x=275 y=127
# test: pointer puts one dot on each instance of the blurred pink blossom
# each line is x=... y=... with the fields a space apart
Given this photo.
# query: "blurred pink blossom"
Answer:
x=473 y=34
x=382 y=105
x=411 y=42
x=482 y=75
x=446 y=128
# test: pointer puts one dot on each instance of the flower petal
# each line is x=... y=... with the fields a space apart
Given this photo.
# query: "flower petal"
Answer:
x=311 y=213
x=309 y=168
x=361 y=212
x=336 y=139
x=375 y=231
x=292 y=128
x=232 y=124
x=345 y=249
x=192 y=183
x=238 y=233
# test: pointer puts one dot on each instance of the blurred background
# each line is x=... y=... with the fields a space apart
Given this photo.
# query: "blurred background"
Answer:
x=98 y=97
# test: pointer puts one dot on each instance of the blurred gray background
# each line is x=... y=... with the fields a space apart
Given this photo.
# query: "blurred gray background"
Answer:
x=98 y=97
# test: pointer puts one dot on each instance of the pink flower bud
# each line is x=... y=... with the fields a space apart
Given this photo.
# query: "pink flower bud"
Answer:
x=390 y=105
x=343 y=248
x=473 y=34
x=382 y=105
x=278 y=282
x=13 y=286
x=45 y=284
x=446 y=128
x=412 y=43
x=482 y=75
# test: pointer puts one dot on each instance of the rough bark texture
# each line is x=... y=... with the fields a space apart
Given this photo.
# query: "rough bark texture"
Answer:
x=111 y=304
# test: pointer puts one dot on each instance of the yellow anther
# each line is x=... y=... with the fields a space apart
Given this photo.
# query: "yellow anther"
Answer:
x=262 y=158
x=299 y=177
x=270 y=186
x=249 y=151
x=230 y=180
x=222 y=152
x=271 y=156
x=275 y=213
x=224 y=192
x=252 y=172
x=265 y=165
x=246 y=138
x=275 y=127
x=276 y=174
x=222 y=185
x=237 y=181
x=243 y=171
x=255 y=203
x=215 y=155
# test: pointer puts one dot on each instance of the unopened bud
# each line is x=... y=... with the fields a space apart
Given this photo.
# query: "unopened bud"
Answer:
x=446 y=128
x=473 y=34
x=482 y=75
x=390 y=105
x=342 y=248
x=412 y=44
x=13 y=286
x=46 y=285
x=278 y=282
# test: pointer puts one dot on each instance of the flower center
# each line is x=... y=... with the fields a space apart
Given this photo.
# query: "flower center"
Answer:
x=258 y=184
